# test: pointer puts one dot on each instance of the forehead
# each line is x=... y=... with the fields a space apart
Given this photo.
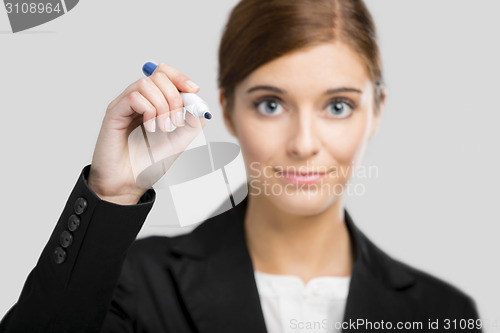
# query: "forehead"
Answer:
x=318 y=67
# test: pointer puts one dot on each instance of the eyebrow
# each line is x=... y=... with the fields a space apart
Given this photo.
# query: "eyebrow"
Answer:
x=280 y=91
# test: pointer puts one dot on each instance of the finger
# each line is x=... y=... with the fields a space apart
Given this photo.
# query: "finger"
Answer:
x=154 y=95
x=193 y=121
x=173 y=98
x=177 y=117
x=124 y=93
x=181 y=81
x=136 y=102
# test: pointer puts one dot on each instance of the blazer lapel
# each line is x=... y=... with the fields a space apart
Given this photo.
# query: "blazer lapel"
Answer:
x=216 y=278
x=376 y=280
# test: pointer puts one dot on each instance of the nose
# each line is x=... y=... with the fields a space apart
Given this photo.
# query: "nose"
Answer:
x=303 y=140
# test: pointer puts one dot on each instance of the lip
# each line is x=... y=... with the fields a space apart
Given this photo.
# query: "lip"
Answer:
x=302 y=177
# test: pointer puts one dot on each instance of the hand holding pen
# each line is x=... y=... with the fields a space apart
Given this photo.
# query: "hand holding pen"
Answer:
x=155 y=101
x=192 y=102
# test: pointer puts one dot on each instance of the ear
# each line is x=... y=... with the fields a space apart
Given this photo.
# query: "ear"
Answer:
x=378 y=115
x=228 y=121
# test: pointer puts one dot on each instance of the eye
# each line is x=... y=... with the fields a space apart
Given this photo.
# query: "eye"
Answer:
x=269 y=106
x=340 y=108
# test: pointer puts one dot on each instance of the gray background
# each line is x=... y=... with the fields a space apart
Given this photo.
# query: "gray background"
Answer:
x=434 y=204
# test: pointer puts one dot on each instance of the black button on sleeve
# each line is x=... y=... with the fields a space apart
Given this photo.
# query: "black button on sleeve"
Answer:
x=66 y=238
x=73 y=222
x=59 y=255
x=80 y=205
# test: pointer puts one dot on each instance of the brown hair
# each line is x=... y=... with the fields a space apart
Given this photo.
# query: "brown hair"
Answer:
x=259 y=31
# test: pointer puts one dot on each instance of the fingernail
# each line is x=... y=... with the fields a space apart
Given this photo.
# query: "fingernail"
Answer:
x=179 y=119
x=169 y=127
x=151 y=125
x=192 y=84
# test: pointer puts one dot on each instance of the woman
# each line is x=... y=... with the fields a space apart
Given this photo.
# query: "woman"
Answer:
x=301 y=88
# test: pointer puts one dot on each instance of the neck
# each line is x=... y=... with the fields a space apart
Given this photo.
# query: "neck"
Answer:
x=307 y=246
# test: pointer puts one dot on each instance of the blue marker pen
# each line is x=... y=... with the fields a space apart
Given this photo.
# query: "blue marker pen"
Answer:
x=192 y=102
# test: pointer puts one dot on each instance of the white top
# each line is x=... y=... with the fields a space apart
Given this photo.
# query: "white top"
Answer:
x=290 y=306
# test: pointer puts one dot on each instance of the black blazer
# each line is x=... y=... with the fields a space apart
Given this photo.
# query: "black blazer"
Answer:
x=202 y=281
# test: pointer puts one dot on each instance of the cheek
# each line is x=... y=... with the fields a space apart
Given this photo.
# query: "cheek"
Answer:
x=345 y=140
x=259 y=142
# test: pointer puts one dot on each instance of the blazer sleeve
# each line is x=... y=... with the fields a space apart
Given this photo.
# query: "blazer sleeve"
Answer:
x=71 y=286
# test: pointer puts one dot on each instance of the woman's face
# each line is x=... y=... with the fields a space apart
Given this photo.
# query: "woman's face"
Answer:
x=303 y=121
